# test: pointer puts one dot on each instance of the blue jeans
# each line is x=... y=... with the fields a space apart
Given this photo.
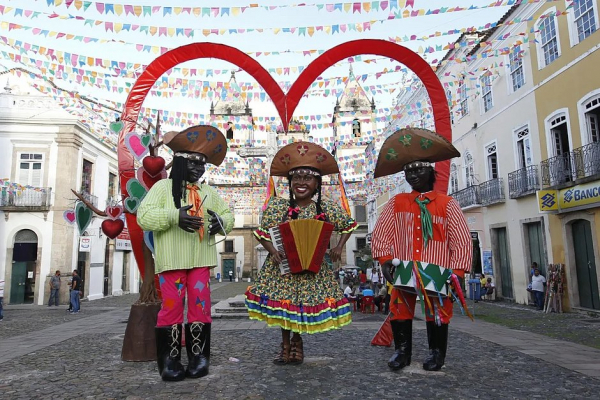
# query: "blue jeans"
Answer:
x=53 y=295
x=539 y=299
x=1 y=307
x=75 y=300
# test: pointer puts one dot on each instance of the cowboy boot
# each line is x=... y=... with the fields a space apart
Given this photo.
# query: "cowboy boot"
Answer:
x=438 y=342
x=402 y=330
x=197 y=345
x=168 y=353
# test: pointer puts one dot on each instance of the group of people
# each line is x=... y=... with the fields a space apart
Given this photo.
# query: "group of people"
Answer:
x=75 y=291
x=380 y=295
x=422 y=227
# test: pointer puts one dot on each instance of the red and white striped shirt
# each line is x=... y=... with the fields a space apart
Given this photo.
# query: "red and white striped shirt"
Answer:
x=398 y=234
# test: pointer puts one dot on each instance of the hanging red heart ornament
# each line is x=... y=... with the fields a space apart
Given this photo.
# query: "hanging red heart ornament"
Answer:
x=148 y=180
x=112 y=227
x=113 y=212
x=153 y=165
x=285 y=103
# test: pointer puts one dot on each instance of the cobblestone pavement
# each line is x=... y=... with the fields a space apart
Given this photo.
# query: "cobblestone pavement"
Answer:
x=47 y=354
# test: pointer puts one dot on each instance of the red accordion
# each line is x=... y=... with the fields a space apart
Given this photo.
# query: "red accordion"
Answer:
x=304 y=242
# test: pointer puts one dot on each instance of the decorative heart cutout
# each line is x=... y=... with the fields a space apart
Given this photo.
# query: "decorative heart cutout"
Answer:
x=146 y=140
x=69 y=216
x=112 y=228
x=153 y=165
x=116 y=126
x=136 y=189
x=284 y=103
x=149 y=240
x=83 y=216
x=132 y=204
x=114 y=212
x=146 y=180
x=136 y=146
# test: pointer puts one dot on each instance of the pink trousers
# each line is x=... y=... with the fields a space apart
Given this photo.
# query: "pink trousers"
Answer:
x=174 y=285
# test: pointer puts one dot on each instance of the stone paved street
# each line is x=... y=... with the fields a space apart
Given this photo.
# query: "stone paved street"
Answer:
x=47 y=353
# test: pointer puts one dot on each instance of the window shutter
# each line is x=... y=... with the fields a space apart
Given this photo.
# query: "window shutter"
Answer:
x=23 y=174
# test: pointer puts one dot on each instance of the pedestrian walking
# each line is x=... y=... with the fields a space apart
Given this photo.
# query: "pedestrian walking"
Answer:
x=230 y=276
x=1 y=299
x=75 y=290
x=185 y=216
x=54 y=289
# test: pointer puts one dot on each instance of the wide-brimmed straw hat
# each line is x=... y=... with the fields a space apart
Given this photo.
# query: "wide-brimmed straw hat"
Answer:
x=303 y=154
x=204 y=139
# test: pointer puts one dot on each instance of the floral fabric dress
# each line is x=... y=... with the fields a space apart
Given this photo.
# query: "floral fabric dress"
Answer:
x=303 y=303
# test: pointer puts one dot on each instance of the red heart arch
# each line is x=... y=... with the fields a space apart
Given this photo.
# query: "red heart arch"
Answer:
x=285 y=103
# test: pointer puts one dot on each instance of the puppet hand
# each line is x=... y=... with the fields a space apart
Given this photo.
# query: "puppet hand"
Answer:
x=216 y=223
x=386 y=269
x=188 y=222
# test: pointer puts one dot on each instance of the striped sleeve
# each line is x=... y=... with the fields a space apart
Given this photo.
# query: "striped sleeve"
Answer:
x=157 y=213
x=459 y=238
x=382 y=240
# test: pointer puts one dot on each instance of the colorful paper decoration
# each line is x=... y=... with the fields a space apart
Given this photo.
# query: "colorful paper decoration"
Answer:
x=69 y=216
x=138 y=145
x=83 y=217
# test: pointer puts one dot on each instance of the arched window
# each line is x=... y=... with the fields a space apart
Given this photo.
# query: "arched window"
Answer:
x=469 y=170
x=356 y=128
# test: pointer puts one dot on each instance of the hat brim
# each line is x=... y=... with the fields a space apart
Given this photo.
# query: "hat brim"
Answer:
x=412 y=144
x=303 y=154
x=204 y=139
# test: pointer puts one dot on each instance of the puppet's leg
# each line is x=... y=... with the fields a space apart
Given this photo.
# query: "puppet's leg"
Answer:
x=402 y=307
x=437 y=336
x=197 y=330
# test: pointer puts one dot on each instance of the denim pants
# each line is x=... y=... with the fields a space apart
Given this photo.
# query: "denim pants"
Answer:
x=53 y=295
x=539 y=299
x=75 y=300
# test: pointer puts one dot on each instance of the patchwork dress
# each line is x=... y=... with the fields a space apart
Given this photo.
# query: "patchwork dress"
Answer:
x=303 y=303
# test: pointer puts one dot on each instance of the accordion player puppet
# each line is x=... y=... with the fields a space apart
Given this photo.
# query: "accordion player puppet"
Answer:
x=424 y=239
x=184 y=216
x=309 y=300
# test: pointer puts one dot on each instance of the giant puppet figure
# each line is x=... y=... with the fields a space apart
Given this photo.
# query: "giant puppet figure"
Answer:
x=184 y=216
x=423 y=243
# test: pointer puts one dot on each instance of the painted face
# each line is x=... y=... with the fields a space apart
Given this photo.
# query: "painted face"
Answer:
x=304 y=186
x=195 y=169
x=419 y=178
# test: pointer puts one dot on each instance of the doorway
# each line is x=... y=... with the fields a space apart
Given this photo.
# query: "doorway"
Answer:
x=503 y=259
x=585 y=265
x=228 y=265
x=535 y=246
x=22 y=285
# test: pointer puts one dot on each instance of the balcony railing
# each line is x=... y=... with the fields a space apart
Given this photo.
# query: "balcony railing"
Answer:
x=28 y=198
x=91 y=198
x=468 y=197
x=523 y=182
x=492 y=192
x=583 y=162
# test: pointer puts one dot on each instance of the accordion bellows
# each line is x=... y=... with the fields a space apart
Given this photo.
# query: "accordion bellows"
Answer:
x=305 y=242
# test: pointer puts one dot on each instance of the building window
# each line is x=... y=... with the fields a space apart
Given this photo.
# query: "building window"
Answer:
x=560 y=135
x=585 y=20
x=517 y=77
x=450 y=105
x=229 y=131
x=486 y=91
x=463 y=98
x=548 y=39
x=592 y=120
x=86 y=177
x=524 y=158
x=112 y=186
x=361 y=243
x=492 y=161
x=356 y=132
x=469 y=170
x=453 y=178
x=30 y=169
x=229 y=246
x=360 y=214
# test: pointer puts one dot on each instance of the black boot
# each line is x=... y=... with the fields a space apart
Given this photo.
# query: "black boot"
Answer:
x=168 y=353
x=197 y=344
x=437 y=337
x=402 y=330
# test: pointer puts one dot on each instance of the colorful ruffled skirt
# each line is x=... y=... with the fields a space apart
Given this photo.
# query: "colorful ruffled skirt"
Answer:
x=303 y=303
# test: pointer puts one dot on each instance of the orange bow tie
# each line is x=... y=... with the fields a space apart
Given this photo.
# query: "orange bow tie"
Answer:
x=196 y=202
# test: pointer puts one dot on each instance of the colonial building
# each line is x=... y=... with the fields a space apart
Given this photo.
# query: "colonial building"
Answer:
x=45 y=152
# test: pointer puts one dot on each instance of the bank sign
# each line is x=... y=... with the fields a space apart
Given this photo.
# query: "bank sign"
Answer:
x=571 y=199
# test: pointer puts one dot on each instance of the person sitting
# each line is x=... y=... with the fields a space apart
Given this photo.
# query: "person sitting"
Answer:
x=380 y=298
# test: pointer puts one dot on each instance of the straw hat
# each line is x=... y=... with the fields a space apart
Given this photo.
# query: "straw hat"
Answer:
x=303 y=154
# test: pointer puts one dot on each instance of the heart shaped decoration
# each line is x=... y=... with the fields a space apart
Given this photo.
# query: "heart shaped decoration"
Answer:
x=112 y=227
x=83 y=217
x=116 y=126
x=136 y=189
x=136 y=146
x=114 y=212
x=69 y=216
x=146 y=180
x=153 y=165
x=146 y=140
x=149 y=240
x=132 y=204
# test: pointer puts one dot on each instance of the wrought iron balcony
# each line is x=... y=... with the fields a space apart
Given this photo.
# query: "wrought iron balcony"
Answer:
x=26 y=199
x=468 y=197
x=492 y=192
x=581 y=163
x=523 y=182
x=557 y=170
x=91 y=198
